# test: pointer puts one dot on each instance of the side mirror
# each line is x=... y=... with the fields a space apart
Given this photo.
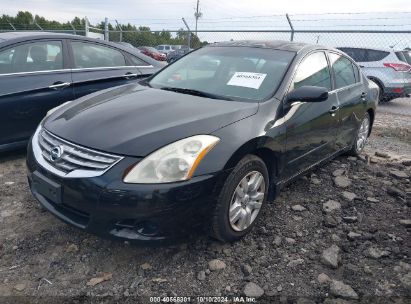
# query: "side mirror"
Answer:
x=308 y=94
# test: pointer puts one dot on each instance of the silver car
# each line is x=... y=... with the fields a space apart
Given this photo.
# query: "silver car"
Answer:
x=388 y=68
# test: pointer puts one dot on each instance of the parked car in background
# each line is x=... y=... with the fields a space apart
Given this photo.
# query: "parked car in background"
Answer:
x=389 y=69
x=174 y=55
x=177 y=46
x=153 y=53
x=39 y=71
x=206 y=141
x=164 y=48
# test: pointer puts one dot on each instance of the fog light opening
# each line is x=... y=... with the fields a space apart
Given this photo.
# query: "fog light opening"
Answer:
x=145 y=228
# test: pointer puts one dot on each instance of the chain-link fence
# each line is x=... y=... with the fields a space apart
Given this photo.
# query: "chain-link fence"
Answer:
x=384 y=55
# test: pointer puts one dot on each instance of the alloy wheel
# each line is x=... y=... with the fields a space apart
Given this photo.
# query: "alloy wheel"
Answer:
x=246 y=201
x=363 y=133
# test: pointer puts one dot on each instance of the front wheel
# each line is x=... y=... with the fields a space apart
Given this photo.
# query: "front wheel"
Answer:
x=362 y=136
x=241 y=199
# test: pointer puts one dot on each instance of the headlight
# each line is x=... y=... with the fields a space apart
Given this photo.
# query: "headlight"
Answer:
x=174 y=162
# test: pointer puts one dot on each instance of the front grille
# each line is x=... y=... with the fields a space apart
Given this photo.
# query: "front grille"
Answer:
x=73 y=157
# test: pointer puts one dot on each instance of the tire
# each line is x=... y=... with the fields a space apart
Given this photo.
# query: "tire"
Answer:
x=251 y=168
x=382 y=98
x=358 y=146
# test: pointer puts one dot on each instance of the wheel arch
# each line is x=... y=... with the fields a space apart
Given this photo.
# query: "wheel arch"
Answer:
x=371 y=112
x=258 y=146
x=379 y=82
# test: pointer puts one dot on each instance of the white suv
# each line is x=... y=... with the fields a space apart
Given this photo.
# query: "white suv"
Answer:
x=164 y=48
x=388 y=68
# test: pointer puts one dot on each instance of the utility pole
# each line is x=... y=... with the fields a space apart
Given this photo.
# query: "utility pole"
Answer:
x=198 y=14
x=188 y=33
x=86 y=26
x=106 y=35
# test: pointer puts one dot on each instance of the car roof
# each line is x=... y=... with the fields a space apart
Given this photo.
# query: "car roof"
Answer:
x=15 y=37
x=368 y=48
x=270 y=44
x=36 y=34
x=22 y=36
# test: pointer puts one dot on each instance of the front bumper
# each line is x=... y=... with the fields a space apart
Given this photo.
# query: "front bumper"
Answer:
x=108 y=207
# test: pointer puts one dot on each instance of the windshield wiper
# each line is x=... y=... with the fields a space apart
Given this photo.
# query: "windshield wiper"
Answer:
x=195 y=93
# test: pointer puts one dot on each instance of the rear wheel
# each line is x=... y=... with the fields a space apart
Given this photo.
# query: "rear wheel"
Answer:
x=382 y=98
x=241 y=199
x=362 y=136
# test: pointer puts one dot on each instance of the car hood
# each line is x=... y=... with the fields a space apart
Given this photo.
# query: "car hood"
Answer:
x=136 y=120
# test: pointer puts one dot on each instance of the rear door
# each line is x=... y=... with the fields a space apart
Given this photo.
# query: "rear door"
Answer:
x=34 y=77
x=352 y=96
x=311 y=127
x=98 y=66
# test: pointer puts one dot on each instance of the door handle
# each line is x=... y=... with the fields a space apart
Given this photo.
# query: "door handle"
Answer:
x=130 y=75
x=363 y=95
x=333 y=110
x=59 y=85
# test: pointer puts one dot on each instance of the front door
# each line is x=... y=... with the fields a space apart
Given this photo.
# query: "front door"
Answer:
x=33 y=79
x=311 y=127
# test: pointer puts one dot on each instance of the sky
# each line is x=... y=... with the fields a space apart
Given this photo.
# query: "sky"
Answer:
x=217 y=14
x=241 y=15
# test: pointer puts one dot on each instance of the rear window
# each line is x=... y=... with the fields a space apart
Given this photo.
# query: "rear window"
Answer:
x=137 y=61
x=365 y=55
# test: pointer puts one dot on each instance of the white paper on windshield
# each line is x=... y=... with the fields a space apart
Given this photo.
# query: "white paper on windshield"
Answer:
x=247 y=79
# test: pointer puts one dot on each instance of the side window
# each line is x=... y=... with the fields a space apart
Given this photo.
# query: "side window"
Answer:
x=89 y=55
x=137 y=61
x=374 y=55
x=359 y=55
x=343 y=70
x=356 y=73
x=32 y=57
x=313 y=71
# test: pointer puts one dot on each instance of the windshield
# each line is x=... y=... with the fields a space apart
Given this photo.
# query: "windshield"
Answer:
x=235 y=73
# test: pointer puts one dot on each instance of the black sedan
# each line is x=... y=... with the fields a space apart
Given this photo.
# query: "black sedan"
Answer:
x=206 y=141
x=39 y=71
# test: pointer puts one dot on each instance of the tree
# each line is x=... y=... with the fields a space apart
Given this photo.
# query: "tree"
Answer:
x=137 y=36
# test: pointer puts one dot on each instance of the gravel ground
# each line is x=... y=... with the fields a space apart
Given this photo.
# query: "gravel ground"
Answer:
x=337 y=235
x=397 y=106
